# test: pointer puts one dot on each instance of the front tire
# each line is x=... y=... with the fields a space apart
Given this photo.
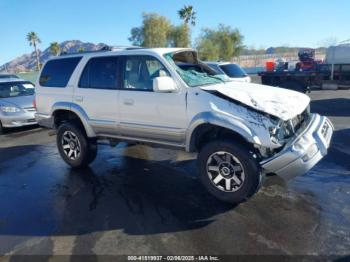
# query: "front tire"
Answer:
x=229 y=171
x=76 y=149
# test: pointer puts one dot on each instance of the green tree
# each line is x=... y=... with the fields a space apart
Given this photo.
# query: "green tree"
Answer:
x=81 y=49
x=222 y=43
x=55 y=48
x=187 y=14
x=207 y=50
x=154 y=31
x=179 y=36
x=34 y=40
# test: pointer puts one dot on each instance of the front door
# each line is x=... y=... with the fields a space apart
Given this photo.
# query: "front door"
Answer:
x=145 y=114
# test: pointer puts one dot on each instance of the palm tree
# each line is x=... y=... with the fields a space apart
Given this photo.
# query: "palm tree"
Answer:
x=55 y=48
x=187 y=14
x=33 y=40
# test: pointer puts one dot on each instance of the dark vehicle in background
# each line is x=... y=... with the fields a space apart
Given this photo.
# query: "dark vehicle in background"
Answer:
x=310 y=74
x=233 y=71
x=16 y=103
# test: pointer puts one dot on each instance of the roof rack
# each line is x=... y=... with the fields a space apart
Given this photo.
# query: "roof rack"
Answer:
x=105 y=48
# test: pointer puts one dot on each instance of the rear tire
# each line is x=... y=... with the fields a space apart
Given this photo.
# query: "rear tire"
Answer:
x=76 y=149
x=229 y=171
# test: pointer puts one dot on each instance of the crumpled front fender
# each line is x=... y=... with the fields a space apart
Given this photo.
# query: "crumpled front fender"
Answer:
x=217 y=119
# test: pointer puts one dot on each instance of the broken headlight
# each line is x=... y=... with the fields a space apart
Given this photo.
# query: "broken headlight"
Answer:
x=281 y=132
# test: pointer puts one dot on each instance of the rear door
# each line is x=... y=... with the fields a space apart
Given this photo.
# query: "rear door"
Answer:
x=54 y=84
x=97 y=93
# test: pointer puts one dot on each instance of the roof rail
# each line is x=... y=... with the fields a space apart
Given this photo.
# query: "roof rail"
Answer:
x=115 y=48
x=105 y=48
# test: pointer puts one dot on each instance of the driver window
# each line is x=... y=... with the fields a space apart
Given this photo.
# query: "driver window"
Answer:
x=140 y=72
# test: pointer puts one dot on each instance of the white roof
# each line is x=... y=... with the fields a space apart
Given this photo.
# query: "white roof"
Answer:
x=162 y=51
x=158 y=51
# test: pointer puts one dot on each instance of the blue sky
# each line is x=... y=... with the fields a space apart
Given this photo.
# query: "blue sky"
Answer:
x=263 y=23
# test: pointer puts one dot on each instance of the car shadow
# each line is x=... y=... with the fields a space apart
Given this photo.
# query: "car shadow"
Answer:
x=331 y=107
x=16 y=130
x=137 y=196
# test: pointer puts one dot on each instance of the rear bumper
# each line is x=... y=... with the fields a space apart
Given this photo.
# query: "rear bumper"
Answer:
x=18 y=120
x=304 y=151
x=44 y=120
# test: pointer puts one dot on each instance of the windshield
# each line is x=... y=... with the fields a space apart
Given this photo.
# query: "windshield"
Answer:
x=193 y=72
x=15 y=89
x=233 y=70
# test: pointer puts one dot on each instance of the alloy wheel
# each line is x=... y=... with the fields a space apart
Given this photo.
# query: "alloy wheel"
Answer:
x=225 y=171
x=71 y=145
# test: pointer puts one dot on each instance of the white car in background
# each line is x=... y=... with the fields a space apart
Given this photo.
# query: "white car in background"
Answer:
x=16 y=103
x=233 y=71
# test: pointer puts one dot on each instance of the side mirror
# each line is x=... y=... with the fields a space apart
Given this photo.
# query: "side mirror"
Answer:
x=164 y=84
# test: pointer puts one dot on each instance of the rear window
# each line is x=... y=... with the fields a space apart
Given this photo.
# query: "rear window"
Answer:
x=57 y=73
x=15 y=89
x=100 y=73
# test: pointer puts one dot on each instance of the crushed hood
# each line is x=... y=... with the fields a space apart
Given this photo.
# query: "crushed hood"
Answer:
x=282 y=103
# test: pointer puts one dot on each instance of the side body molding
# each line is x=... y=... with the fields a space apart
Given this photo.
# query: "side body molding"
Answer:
x=220 y=120
x=78 y=111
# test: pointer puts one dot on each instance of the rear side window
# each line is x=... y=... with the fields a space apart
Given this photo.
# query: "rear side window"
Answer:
x=100 y=73
x=57 y=73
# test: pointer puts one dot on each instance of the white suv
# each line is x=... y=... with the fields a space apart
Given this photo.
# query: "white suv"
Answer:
x=241 y=131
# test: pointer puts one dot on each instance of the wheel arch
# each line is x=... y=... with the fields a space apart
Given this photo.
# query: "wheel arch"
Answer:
x=205 y=125
x=64 y=110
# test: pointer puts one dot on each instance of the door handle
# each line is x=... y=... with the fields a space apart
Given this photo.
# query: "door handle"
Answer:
x=128 y=102
x=79 y=99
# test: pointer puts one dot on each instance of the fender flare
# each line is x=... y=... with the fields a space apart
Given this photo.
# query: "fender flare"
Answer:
x=219 y=120
x=72 y=107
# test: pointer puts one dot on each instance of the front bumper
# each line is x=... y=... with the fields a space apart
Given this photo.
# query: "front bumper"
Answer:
x=24 y=118
x=304 y=151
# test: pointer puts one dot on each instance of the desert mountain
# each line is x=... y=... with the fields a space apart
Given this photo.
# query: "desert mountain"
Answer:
x=27 y=62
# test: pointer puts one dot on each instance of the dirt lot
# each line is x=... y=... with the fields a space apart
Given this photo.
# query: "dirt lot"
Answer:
x=139 y=200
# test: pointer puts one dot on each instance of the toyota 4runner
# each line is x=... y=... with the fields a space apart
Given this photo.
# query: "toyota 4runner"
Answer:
x=241 y=131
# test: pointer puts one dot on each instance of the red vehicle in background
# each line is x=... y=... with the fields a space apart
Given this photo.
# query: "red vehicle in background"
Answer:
x=307 y=60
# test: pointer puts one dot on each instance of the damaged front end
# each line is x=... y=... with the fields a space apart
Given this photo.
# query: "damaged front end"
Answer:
x=276 y=121
x=303 y=150
x=287 y=148
x=283 y=131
